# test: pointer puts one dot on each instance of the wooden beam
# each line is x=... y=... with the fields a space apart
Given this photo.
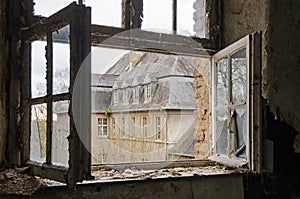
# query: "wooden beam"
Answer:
x=111 y=37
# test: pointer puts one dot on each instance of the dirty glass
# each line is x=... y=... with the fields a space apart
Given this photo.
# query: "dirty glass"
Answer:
x=61 y=60
x=222 y=82
x=38 y=133
x=239 y=140
x=60 y=133
x=38 y=68
x=221 y=132
x=238 y=77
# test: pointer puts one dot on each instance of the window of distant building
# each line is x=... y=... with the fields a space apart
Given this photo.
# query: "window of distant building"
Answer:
x=125 y=96
x=136 y=94
x=123 y=126
x=158 y=128
x=116 y=96
x=133 y=126
x=113 y=120
x=145 y=127
x=102 y=157
x=102 y=127
x=148 y=92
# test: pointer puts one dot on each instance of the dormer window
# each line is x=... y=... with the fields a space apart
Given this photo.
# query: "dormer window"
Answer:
x=136 y=94
x=148 y=92
x=116 y=96
x=125 y=96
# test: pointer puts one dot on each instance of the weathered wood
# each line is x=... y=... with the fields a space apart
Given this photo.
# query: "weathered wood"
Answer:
x=155 y=165
x=49 y=78
x=25 y=95
x=53 y=98
x=50 y=24
x=4 y=81
x=143 y=40
x=255 y=103
x=43 y=170
x=80 y=160
x=174 y=9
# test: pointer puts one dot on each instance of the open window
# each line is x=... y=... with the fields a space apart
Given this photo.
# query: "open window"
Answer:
x=236 y=104
x=51 y=142
x=55 y=149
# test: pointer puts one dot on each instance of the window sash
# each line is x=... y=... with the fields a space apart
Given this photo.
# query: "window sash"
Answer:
x=79 y=158
x=102 y=127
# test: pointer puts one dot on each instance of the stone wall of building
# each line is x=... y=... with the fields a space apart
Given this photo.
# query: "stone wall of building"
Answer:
x=202 y=115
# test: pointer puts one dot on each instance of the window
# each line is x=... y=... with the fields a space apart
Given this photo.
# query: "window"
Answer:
x=136 y=94
x=231 y=101
x=48 y=121
x=145 y=127
x=147 y=92
x=113 y=126
x=102 y=127
x=123 y=127
x=102 y=157
x=133 y=127
x=232 y=105
x=158 y=127
x=116 y=96
x=125 y=95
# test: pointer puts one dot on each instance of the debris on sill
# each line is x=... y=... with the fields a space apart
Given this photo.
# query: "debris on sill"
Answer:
x=132 y=173
x=19 y=182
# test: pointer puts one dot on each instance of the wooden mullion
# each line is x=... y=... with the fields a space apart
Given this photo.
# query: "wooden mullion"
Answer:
x=25 y=95
x=49 y=77
x=174 y=17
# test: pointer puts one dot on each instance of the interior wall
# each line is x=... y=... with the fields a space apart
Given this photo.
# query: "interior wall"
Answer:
x=242 y=17
x=3 y=81
x=202 y=95
x=282 y=72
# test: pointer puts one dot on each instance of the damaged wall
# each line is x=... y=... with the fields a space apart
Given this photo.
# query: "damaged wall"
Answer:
x=242 y=17
x=3 y=81
x=282 y=66
x=202 y=115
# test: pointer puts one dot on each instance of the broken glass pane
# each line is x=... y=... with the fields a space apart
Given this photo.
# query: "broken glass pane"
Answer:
x=221 y=132
x=61 y=60
x=60 y=132
x=38 y=133
x=238 y=77
x=38 y=69
x=239 y=116
x=222 y=82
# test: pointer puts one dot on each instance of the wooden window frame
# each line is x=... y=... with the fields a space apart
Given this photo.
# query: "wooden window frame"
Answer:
x=252 y=44
x=78 y=17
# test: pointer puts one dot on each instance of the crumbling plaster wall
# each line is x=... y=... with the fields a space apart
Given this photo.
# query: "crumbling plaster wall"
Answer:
x=282 y=63
x=242 y=17
x=3 y=80
x=202 y=95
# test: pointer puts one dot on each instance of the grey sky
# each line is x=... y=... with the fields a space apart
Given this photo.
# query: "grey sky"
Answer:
x=107 y=12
